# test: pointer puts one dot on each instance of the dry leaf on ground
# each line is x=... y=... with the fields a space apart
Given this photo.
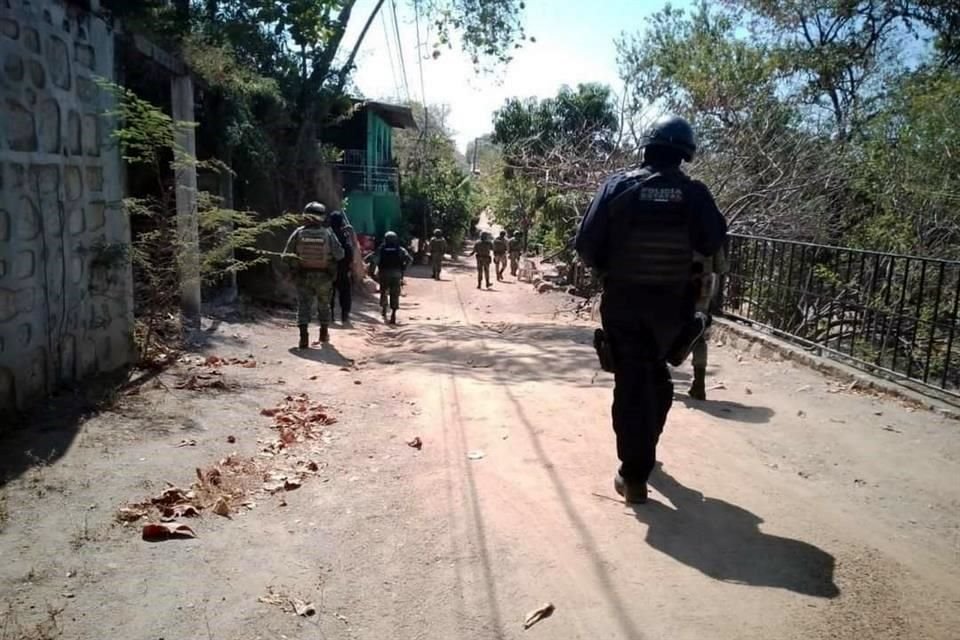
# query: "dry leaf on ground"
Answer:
x=416 y=443
x=160 y=531
x=544 y=611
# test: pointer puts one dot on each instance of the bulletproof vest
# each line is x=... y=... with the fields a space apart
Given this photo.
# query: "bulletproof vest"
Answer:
x=499 y=246
x=437 y=244
x=391 y=258
x=515 y=246
x=650 y=232
x=313 y=248
x=484 y=248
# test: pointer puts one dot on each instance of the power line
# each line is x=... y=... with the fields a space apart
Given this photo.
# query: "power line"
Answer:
x=423 y=92
x=403 y=66
x=393 y=68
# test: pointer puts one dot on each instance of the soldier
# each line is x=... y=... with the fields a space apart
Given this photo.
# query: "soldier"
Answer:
x=392 y=261
x=344 y=283
x=640 y=233
x=483 y=249
x=312 y=251
x=706 y=285
x=500 y=254
x=438 y=247
x=515 y=248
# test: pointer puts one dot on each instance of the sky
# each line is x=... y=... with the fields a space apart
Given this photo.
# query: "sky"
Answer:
x=574 y=44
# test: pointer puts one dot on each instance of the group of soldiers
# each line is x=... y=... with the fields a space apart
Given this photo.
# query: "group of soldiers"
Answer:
x=321 y=255
x=496 y=251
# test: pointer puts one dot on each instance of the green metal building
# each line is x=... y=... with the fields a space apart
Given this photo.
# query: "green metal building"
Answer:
x=368 y=170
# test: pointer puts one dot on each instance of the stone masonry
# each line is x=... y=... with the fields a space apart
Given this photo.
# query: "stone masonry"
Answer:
x=65 y=287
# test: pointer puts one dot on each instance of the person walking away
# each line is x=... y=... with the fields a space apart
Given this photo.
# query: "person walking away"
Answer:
x=312 y=251
x=483 y=250
x=344 y=282
x=438 y=247
x=515 y=249
x=706 y=284
x=392 y=261
x=640 y=234
x=500 y=254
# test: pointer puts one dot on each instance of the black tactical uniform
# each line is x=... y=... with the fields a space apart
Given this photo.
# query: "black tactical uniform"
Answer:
x=640 y=234
x=344 y=284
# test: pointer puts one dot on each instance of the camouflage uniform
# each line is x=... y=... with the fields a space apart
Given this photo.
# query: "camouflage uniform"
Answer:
x=438 y=247
x=713 y=266
x=483 y=250
x=515 y=248
x=500 y=256
x=314 y=285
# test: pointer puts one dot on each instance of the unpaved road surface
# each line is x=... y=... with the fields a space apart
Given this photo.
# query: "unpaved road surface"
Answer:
x=785 y=506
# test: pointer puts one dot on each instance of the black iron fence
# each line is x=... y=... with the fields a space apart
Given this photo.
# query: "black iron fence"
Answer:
x=883 y=312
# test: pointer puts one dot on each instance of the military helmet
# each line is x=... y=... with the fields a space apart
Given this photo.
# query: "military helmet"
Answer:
x=336 y=219
x=485 y=235
x=391 y=238
x=672 y=132
x=437 y=233
x=315 y=208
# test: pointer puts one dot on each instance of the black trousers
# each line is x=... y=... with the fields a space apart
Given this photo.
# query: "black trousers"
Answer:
x=344 y=288
x=640 y=327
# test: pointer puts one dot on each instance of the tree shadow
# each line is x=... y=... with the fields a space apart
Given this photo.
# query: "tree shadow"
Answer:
x=42 y=435
x=727 y=410
x=724 y=541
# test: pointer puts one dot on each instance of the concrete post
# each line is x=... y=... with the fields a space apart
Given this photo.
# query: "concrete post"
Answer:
x=188 y=235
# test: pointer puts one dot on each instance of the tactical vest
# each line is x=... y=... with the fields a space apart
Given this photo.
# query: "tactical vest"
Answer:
x=391 y=258
x=650 y=232
x=437 y=245
x=515 y=246
x=500 y=246
x=313 y=249
x=483 y=249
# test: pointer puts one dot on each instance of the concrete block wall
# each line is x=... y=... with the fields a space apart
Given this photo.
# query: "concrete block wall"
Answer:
x=66 y=308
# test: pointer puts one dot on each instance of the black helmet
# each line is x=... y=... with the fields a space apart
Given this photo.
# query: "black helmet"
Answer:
x=315 y=213
x=437 y=233
x=672 y=132
x=336 y=219
x=391 y=239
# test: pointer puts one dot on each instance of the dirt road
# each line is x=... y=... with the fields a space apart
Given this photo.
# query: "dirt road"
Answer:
x=785 y=507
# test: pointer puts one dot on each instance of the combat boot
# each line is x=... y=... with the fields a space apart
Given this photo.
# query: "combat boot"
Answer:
x=698 y=390
x=632 y=492
x=393 y=317
x=324 y=333
x=304 y=337
x=383 y=313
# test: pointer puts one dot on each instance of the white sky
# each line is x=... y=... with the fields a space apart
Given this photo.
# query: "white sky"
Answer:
x=575 y=43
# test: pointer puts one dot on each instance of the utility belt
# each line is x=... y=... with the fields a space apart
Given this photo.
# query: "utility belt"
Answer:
x=691 y=333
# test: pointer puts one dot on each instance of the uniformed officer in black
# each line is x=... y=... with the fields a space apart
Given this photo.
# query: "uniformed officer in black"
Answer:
x=640 y=234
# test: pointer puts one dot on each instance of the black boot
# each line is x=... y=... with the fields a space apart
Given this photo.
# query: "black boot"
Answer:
x=632 y=492
x=698 y=390
x=383 y=312
x=304 y=337
x=393 y=317
x=324 y=333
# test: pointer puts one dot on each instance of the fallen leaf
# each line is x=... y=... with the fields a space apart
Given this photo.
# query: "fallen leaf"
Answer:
x=801 y=413
x=130 y=514
x=301 y=608
x=748 y=391
x=222 y=507
x=538 y=614
x=892 y=429
x=291 y=484
x=269 y=412
x=312 y=378
x=357 y=382
x=169 y=496
x=180 y=511
x=67 y=594
x=475 y=455
x=313 y=466
x=416 y=443
x=231 y=439
x=252 y=364
x=160 y=531
x=187 y=443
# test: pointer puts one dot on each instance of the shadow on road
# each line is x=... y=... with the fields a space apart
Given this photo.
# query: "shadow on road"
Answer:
x=724 y=541
x=726 y=410
x=327 y=354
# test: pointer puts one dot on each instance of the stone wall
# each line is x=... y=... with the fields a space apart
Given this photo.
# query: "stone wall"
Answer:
x=65 y=289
